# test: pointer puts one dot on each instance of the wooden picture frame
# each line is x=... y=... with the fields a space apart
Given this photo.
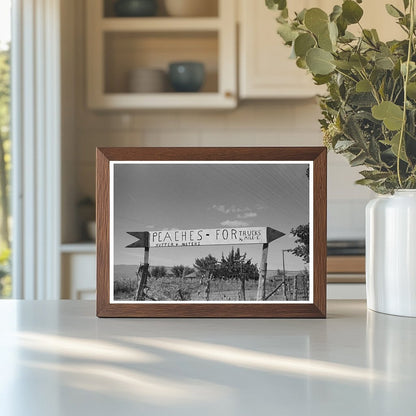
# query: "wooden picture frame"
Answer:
x=112 y=161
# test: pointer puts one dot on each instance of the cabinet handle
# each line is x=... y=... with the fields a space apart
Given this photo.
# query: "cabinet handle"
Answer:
x=229 y=94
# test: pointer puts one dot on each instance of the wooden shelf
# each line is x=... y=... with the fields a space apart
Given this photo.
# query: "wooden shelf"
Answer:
x=199 y=100
x=160 y=24
x=117 y=45
x=80 y=247
x=346 y=264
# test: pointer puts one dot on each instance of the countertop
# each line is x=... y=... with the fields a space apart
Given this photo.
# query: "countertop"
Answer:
x=57 y=358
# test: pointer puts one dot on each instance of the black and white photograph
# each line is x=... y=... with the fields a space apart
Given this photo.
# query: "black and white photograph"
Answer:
x=211 y=232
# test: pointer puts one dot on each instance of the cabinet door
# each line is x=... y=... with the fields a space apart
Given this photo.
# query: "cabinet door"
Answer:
x=265 y=68
x=78 y=276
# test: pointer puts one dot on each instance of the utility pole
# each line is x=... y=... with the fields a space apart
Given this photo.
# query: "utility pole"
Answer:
x=284 y=275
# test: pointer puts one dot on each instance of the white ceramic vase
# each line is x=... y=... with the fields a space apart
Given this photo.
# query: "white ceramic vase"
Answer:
x=391 y=253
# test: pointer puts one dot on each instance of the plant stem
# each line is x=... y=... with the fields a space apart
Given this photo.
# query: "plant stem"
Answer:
x=373 y=88
x=406 y=80
x=346 y=75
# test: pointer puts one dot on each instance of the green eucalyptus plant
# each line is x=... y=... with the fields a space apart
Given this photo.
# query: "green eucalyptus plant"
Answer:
x=369 y=112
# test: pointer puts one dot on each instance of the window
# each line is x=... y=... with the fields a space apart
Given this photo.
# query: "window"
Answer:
x=5 y=147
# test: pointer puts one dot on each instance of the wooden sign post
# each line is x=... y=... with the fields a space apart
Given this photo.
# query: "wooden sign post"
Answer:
x=203 y=237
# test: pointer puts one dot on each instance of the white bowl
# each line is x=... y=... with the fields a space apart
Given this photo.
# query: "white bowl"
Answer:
x=147 y=80
x=191 y=8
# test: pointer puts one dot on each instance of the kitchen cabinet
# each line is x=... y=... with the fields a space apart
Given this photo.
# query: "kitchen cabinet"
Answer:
x=265 y=69
x=78 y=263
x=118 y=45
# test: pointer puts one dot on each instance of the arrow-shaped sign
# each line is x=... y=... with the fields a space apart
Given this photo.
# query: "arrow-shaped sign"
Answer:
x=273 y=234
x=142 y=239
x=205 y=237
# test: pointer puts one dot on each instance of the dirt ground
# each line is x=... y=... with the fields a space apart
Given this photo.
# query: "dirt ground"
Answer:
x=170 y=288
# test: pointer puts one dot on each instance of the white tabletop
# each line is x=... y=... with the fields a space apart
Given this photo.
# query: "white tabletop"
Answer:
x=57 y=358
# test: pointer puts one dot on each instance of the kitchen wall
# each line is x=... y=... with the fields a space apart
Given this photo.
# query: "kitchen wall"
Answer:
x=253 y=123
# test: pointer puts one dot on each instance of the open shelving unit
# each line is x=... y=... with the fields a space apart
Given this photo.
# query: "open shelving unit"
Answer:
x=117 y=45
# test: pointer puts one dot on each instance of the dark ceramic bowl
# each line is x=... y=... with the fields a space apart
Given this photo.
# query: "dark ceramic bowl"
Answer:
x=135 y=8
x=186 y=76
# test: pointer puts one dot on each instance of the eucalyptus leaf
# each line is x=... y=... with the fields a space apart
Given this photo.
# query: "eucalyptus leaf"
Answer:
x=358 y=61
x=321 y=79
x=354 y=132
x=391 y=114
x=281 y=19
x=412 y=68
x=385 y=62
x=336 y=12
x=363 y=110
x=276 y=4
x=365 y=182
x=394 y=145
x=325 y=42
x=358 y=160
x=343 y=145
x=363 y=86
x=320 y=61
x=374 y=150
x=411 y=90
x=369 y=36
x=374 y=174
x=287 y=33
x=351 y=11
x=375 y=35
x=342 y=25
x=333 y=32
x=393 y=11
x=347 y=37
x=303 y=43
x=345 y=65
x=361 y=100
x=301 y=15
x=301 y=63
x=316 y=20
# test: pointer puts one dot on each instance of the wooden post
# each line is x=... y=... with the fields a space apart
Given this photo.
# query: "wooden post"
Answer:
x=295 y=288
x=284 y=276
x=208 y=286
x=261 y=288
x=145 y=272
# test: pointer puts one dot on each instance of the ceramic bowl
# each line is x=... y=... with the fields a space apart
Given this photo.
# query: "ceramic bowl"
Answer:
x=135 y=8
x=147 y=80
x=186 y=76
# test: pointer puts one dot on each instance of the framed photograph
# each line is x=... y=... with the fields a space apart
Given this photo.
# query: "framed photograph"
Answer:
x=211 y=232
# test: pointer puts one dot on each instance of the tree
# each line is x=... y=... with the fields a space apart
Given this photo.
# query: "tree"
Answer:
x=235 y=265
x=208 y=267
x=302 y=240
x=158 y=271
x=181 y=270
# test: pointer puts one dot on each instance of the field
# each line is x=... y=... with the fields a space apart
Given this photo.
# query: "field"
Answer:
x=170 y=288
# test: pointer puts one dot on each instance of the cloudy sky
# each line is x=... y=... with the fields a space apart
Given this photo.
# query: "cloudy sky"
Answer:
x=151 y=197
